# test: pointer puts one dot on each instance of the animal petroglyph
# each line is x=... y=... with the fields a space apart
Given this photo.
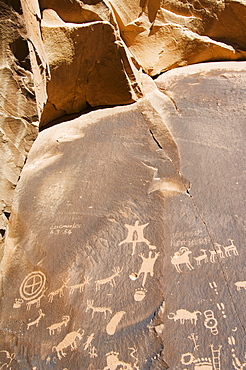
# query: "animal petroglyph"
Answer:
x=6 y=359
x=210 y=322
x=68 y=341
x=79 y=287
x=182 y=257
x=35 y=301
x=58 y=292
x=184 y=315
x=135 y=235
x=36 y=322
x=113 y=362
x=58 y=326
x=231 y=249
x=33 y=285
x=140 y=294
x=202 y=257
x=97 y=309
x=147 y=265
x=216 y=252
x=111 y=279
x=112 y=325
x=240 y=284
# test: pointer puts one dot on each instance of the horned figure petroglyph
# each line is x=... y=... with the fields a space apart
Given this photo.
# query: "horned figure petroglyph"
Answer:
x=135 y=235
x=79 y=287
x=58 y=292
x=113 y=362
x=69 y=340
x=182 y=257
x=240 y=284
x=147 y=265
x=97 y=309
x=35 y=301
x=183 y=315
x=202 y=257
x=58 y=326
x=36 y=322
x=111 y=279
x=231 y=248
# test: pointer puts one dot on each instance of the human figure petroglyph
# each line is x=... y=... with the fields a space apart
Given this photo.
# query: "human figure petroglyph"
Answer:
x=135 y=235
x=182 y=257
x=80 y=286
x=68 y=341
x=93 y=352
x=147 y=266
x=240 y=284
x=58 y=292
x=36 y=322
x=111 y=279
x=97 y=309
x=231 y=248
x=194 y=339
x=89 y=340
x=184 y=315
x=58 y=326
x=203 y=257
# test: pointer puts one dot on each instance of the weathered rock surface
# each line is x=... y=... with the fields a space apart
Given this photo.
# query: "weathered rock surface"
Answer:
x=18 y=114
x=87 y=230
x=165 y=34
x=125 y=246
x=89 y=66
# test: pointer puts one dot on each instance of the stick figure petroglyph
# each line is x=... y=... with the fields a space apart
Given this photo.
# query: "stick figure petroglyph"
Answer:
x=194 y=339
x=182 y=257
x=79 y=287
x=58 y=326
x=111 y=279
x=36 y=322
x=202 y=257
x=135 y=235
x=58 y=292
x=97 y=309
x=68 y=341
x=147 y=266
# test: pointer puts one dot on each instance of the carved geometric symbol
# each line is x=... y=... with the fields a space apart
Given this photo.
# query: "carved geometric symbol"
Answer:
x=33 y=285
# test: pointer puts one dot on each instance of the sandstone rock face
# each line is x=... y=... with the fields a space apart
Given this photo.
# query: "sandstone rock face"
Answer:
x=89 y=65
x=166 y=34
x=90 y=246
x=125 y=245
x=18 y=115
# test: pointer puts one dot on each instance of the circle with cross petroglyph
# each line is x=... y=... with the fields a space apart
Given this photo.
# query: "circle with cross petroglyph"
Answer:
x=33 y=285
